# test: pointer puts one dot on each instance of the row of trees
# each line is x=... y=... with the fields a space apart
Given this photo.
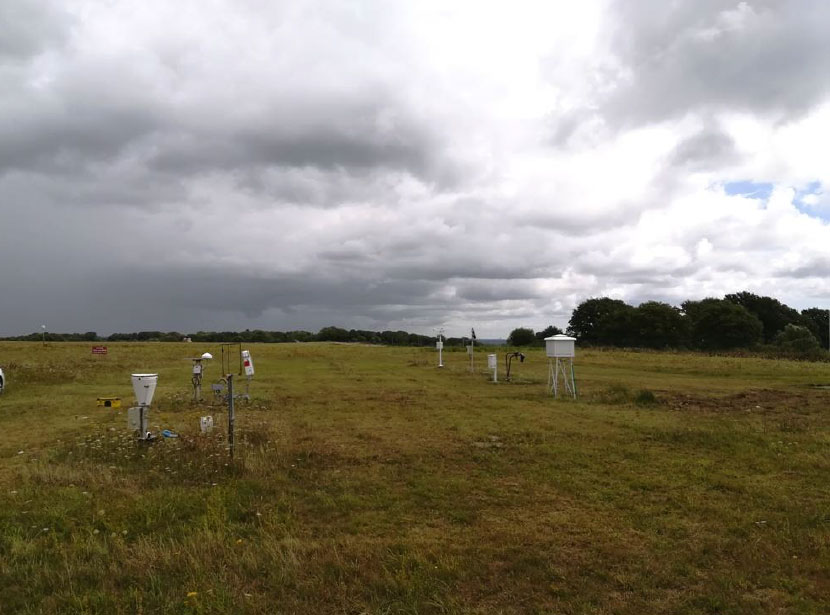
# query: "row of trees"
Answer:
x=326 y=334
x=740 y=320
x=529 y=337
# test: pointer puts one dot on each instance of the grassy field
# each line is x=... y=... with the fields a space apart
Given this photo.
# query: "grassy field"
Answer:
x=368 y=481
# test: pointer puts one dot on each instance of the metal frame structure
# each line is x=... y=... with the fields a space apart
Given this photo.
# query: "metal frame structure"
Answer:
x=226 y=353
x=564 y=367
x=196 y=378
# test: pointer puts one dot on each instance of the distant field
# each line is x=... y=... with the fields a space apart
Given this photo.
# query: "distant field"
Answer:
x=368 y=481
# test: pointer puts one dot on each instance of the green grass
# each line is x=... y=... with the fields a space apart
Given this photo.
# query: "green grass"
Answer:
x=366 y=480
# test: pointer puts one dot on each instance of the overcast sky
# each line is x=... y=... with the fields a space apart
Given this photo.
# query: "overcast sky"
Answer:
x=376 y=164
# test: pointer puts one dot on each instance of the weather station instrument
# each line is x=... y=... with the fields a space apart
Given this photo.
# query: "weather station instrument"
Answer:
x=144 y=387
x=471 y=349
x=560 y=352
x=508 y=360
x=439 y=345
x=198 y=371
x=248 y=366
x=493 y=364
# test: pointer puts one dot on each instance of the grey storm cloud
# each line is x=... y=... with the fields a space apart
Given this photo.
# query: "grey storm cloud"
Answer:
x=30 y=27
x=252 y=295
x=189 y=297
x=706 y=149
x=506 y=290
x=105 y=124
x=815 y=267
x=340 y=137
x=759 y=56
x=66 y=140
x=91 y=137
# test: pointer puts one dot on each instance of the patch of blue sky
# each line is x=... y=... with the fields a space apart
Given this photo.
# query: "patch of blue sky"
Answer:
x=812 y=200
x=748 y=189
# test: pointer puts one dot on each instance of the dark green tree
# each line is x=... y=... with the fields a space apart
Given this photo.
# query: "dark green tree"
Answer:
x=773 y=314
x=521 y=337
x=332 y=334
x=299 y=336
x=798 y=341
x=548 y=332
x=602 y=321
x=395 y=338
x=718 y=324
x=817 y=317
x=658 y=325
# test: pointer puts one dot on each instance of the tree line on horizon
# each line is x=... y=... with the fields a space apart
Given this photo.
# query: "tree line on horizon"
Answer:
x=326 y=334
x=737 y=321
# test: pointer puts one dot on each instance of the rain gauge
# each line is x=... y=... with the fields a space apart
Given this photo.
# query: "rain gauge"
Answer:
x=493 y=364
x=144 y=386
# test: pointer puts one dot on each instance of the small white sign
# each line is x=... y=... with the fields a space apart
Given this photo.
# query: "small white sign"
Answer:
x=206 y=423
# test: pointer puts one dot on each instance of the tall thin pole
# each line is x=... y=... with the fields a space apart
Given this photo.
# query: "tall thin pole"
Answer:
x=440 y=350
x=230 y=413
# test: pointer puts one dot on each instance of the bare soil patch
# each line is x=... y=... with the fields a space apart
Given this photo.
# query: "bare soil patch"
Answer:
x=760 y=400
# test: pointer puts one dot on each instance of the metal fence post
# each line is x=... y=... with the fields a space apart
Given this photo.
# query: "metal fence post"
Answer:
x=230 y=413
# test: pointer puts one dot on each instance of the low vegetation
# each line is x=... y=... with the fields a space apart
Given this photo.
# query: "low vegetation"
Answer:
x=366 y=480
